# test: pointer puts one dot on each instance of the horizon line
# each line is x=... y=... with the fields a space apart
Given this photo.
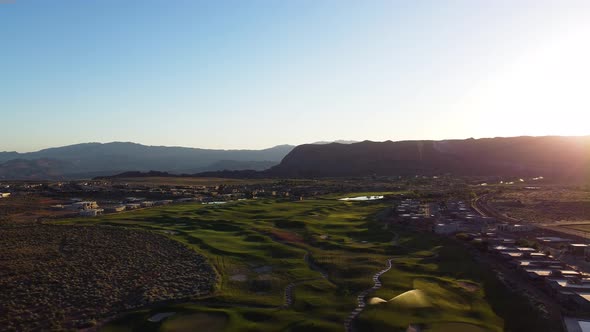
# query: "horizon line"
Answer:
x=288 y=144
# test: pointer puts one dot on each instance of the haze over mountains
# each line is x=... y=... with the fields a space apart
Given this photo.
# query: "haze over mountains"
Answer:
x=95 y=159
x=564 y=157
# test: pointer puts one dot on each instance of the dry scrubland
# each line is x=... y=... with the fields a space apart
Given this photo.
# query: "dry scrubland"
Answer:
x=545 y=205
x=63 y=277
x=191 y=181
x=27 y=209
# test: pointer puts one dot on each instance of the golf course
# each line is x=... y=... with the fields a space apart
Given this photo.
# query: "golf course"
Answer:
x=286 y=265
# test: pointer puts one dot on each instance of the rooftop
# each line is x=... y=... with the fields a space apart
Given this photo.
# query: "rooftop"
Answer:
x=577 y=324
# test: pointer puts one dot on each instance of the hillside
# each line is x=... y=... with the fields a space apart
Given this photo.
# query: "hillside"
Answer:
x=94 y=159
x=37 y=169
x=564 y=157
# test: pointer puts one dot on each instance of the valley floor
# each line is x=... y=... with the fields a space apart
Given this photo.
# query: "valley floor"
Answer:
x=300 y=265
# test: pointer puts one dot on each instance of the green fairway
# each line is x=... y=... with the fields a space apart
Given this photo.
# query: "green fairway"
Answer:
x=259 y=247
x=187 y=323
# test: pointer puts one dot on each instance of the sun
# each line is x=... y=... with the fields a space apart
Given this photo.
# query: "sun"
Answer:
x=544 y=91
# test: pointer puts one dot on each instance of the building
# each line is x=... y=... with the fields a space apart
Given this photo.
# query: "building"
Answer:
x=84 y=205
x=494 y=240
x=147 y=204
x=577 y=249
x=514 y=228
x=91 y=212
x=185 y=200
x=446 y=229
x=113 y=209
x=553 y=240
x=576 y=324
x=574 y=291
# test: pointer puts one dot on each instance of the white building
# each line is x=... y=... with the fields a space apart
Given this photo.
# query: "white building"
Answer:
x=446 y=228
x=515 y=228
x=84 y=205
x=118 y=208
x=91 y=212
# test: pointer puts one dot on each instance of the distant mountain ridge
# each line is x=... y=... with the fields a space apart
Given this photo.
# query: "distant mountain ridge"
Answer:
x=94 y=159
x=565 y=157
x=340 y=141
x=548 y=156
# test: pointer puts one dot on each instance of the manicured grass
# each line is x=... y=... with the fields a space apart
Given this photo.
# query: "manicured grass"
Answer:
x=205 y=321
x=258 y=246
x=439 y=274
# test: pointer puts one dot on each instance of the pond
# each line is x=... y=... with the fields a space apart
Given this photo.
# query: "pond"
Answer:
x=361 y=198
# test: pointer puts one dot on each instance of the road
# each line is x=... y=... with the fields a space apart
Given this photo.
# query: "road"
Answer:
x=480 y=205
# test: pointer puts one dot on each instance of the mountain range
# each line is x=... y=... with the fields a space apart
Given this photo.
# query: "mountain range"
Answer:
x=95 y=159
x=557 y=156
x=554 y=156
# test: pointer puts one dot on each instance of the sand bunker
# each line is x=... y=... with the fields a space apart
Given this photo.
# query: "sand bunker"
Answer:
x=410 y=299
x=376 y=300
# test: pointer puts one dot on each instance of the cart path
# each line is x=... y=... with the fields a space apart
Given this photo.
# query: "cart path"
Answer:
x=289 y=299
x=362 y=295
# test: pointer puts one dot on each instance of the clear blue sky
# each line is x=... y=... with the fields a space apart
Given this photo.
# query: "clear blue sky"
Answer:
x=253 y=74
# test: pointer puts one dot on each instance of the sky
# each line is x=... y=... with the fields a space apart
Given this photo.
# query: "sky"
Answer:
x=254 y=74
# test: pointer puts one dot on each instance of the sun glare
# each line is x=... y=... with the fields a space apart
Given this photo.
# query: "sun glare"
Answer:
x=543 y=92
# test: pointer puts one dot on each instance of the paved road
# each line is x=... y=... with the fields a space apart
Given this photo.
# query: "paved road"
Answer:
x=580 y=235
x=480 y=205
x=475 y=204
